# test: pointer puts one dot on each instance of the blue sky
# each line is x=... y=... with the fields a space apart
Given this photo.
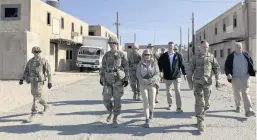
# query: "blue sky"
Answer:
x=142 y=16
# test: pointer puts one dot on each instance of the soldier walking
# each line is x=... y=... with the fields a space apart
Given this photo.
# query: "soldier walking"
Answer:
x=36 y=71
x=113 y=78
x=201 y=68
x=156 y=58
x=133 y=61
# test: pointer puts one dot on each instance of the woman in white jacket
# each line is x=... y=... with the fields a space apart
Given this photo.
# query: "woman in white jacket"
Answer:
x=148 y=76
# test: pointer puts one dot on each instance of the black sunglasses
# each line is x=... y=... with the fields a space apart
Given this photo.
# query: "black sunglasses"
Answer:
x=36 y=51
x=147 y=54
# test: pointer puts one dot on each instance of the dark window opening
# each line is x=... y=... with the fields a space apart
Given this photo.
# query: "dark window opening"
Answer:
x=91 y=33
x=81 y=30
x=67 y=54
x=204 y=36
x=129 y=47
x=70 y=54
x=221 y=53
x=234 y=20
x=11 y=12
x=229 y=51
x=216 y=31
x=48 y=18
x=62 y=23
x=215 y=53
x=72 y=27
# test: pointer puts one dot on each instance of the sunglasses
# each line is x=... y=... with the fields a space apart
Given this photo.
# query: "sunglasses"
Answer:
x=147 y=54
x=113 y=43
x=36 y=51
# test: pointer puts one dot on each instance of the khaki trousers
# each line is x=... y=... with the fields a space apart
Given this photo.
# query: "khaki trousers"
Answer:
x=176 y=84
x=242 y=85
x=148 y=94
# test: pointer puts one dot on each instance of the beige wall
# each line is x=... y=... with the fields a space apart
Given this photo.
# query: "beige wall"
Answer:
x=17 y=25
x=101 y=31
x=45 y=31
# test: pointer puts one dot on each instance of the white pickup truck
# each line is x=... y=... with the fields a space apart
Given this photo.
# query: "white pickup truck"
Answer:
x=91 y=53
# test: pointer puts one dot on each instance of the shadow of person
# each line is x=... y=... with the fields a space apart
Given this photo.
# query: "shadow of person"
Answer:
x=7 y=118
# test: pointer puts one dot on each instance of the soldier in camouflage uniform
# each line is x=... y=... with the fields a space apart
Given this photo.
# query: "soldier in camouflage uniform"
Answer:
x=133 y=61
x=155 y=57
x=201 y=68
x=113 y=77
x=36 y=71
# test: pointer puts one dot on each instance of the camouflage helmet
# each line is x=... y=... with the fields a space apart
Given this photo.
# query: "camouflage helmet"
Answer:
x=36 y=49
x=162 y=49
x=136 y=47
x=150 y=45
x=113 y=40
x=175 y=48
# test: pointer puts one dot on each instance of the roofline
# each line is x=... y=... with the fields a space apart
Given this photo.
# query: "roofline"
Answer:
x=239 y=4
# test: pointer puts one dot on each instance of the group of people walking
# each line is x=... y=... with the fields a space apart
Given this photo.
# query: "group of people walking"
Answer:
x=145 y=73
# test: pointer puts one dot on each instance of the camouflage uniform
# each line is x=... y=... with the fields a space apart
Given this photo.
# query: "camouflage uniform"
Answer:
x=133 y=61
x=155 y=57
x=114 y=74
x=201 y=68
x=36 y=71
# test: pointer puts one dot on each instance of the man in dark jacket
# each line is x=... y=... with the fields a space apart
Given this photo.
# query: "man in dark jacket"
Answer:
x=171 y=64
x=239 y=68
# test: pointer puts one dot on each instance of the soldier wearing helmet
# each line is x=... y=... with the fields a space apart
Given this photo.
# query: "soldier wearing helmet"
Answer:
x=36 y=72
x=133 y=61
x=113 y=77
x=156 y=58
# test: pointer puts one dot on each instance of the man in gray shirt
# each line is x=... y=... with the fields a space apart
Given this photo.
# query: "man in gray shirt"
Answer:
x=239 y=68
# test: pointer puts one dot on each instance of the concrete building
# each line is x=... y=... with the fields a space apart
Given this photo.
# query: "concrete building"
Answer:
x=98 y=30
x=228 y=28
x=26 y=23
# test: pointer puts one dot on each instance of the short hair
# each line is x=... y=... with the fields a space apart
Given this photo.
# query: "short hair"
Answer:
x=238 y=44
x=204 y=43
x=171 y=42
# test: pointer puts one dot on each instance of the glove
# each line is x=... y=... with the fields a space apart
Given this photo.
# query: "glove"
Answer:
x=218 y=84
x=49 y=85
x=185 y=77
x=125 y=83
x=101 y=83
x=21 y=82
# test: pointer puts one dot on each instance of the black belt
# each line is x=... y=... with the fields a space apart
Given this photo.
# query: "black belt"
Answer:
x=111 y=70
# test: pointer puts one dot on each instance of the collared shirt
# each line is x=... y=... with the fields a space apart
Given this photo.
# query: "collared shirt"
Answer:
x=240 y=66
x=171 y=56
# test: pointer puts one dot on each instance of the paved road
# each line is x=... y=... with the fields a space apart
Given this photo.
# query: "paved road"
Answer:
x=77 y=113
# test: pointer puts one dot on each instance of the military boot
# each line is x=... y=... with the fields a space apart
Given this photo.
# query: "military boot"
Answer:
x=46 y=107
x=135 y=97
x=109 y=117
x=31 y=117
x=205 y=110
x=115 y=121
x=156 y=99
x=138 y=97
x=200 y=125
x=238 y=109
x=249 y=114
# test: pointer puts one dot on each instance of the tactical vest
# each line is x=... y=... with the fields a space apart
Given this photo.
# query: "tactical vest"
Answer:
x=113 y=72
x=37 y=70
x=134 y=60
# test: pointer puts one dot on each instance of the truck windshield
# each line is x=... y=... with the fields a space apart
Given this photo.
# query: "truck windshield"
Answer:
x=89 y=51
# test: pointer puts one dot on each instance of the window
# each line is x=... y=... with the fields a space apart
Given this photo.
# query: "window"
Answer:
x=48 y=18
x=10 y=11
x=200 y=38
x=204 y=36
x=224 y=25
x=72 y=27
x=91 y=33
x=81 y=30
x=216 y=29
x=215 y=53
x=68 y=54
x=62 y=23
x=234 y=20
x=229 y=51
x=221 y=53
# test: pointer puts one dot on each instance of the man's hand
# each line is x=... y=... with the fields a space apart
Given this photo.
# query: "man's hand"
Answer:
x=21 y=82
x=218 y=85
x=125 y=83
x=49 y=85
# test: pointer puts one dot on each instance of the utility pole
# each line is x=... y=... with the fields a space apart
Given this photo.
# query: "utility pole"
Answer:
x=180 y=46
x=188 y=46
x=135 y=38
x=117 y=23
x=247 y=31
x=193 y=34
x=120 y=40
x=154 y=37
